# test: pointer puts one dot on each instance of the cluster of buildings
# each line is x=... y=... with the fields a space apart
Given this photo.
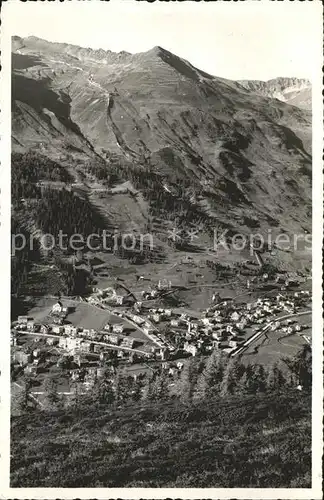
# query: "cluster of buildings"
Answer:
x=74 y=340
x=172 y=332
x=107 y=296
x=224 y=325
x=30 y=360
x=147 y=325
x=71 y=337
x=88 y=376
x=153 y=293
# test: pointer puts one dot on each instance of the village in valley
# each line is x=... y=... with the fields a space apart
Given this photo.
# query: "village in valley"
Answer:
x=78 y=340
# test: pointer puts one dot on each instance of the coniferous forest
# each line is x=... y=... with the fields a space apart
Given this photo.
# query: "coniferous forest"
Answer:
x=219 y=419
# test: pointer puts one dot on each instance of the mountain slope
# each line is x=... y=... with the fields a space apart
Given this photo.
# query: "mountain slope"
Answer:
x=245 y=157
x=243 y=441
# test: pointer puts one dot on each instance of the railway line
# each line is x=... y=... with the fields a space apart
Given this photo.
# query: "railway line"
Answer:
x=263 y=331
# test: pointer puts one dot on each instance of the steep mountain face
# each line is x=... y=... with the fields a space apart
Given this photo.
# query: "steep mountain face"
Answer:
x=295 y=91
x=244 y=158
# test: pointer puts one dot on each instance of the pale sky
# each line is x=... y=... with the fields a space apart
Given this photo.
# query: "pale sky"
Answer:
x=236 y=40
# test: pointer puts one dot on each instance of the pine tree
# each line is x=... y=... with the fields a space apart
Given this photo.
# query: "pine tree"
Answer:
x=147 y=389
x=123 y=388
x=243 y=385
x=22 y=398
x=75 y=398
x=271 y=380
x=257 y=379
x=188 y=380
x=157 y=388
x=214 y=372
x=137 y=390
x=161 y=387
x=228 y=383
x=51 y=392
x=201 y=388
x=301 y=366
x=232 y=374
x=275 y=379
x=103 y=391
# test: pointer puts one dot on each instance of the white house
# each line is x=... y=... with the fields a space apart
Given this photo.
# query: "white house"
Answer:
x=137 y=319
x=22 y=320
x=68 y=329
x=30 y=325
x=235 y=316
x=216 y=335
x=147 y=329
x=241 y=325
x=191 y=348
x=51 y=341
x=57 y=308
x=192 y=327
x=86 y=346
x=119 y=299
x=118 y=328
x=58 y=329
x=92 y=333
x=63 y=342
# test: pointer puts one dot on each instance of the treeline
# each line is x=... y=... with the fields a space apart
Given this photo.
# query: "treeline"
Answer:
x=62 y=210
x=177 y=202
x=65 y=211
x=29 y=168
x=74 y=281
x=219 y=376
x=22 y=259
x=102 y=172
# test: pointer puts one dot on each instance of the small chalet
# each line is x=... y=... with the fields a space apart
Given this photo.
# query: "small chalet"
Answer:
x=57 y=308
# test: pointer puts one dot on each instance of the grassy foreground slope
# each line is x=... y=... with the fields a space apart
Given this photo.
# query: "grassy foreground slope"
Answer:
x=241 y=441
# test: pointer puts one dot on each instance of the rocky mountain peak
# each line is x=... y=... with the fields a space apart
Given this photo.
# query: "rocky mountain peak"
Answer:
x=295 y=91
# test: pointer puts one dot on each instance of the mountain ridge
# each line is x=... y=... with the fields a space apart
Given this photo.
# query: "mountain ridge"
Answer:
x=295 y=91
x=154 y=111
x=156 y=50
